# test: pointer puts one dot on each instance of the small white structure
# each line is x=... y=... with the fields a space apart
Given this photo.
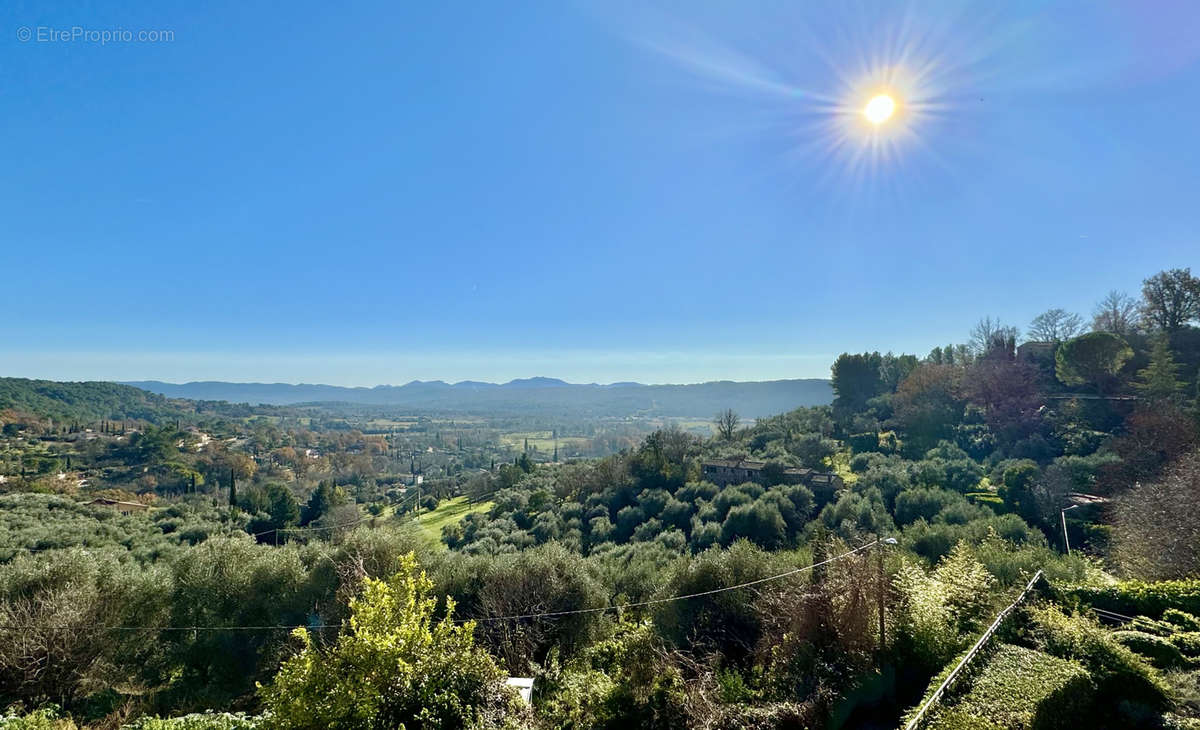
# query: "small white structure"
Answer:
x=524 y=687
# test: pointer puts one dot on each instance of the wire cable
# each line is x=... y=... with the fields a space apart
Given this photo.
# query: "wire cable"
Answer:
x=514 y=617
x=656 y=601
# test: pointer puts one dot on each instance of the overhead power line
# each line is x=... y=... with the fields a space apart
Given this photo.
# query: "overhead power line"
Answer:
x=656 y=601
x=515 y=617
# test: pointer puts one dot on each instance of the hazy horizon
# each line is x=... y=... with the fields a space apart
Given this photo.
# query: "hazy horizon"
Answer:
x=383 y=369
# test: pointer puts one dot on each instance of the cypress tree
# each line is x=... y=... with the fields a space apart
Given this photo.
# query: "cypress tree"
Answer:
x=1159 y=380
x=232 y=489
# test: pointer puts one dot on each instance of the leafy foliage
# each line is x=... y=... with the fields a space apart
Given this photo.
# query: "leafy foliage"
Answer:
x=395 y=665
x=1021 y=688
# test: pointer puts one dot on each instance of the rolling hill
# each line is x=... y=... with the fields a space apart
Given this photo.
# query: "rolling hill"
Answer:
x=701 y=400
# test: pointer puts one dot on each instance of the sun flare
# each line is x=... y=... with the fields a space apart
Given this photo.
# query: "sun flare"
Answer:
x=879 y=109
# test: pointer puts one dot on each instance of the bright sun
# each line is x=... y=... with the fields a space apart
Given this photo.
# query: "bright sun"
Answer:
x=879 y=109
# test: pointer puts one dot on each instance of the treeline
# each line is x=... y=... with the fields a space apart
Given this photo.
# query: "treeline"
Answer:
x=1063 y=414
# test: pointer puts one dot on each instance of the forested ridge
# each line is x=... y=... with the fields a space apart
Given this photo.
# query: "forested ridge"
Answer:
x=86 y=401
x=635 y=589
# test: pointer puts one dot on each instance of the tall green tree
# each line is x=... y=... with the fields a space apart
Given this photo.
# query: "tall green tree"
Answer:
x=324 y=498
x=1094 y=358
x=284 y=509
x=856 y=379
x=1159 y=380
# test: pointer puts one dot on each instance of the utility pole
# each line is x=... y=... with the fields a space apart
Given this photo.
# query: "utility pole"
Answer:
x=882 y=599
x=1066 y=539
x=881 y=576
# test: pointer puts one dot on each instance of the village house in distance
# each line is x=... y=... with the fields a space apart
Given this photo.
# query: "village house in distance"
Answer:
x=724 y=472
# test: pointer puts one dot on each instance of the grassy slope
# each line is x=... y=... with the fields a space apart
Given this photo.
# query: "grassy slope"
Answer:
x=448 y=513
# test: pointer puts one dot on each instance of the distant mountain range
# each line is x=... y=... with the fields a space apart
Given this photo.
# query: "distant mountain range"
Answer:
x=700 y=400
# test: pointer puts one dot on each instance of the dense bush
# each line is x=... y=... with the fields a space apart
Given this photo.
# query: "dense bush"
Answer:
x=1155 y=649
x=198 y=721
x=548 y=578
x=394 y=665
x=724 y=622
x=52 y=610
x=1140 y=598
x=1120 y=674
x=42 y=522
x=939 y=610
x=1020 y=688
x=625 y=680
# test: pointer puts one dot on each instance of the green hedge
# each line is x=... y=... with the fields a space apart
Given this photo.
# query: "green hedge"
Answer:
x=1020 y=688
x=1187 y=642
x=1157 y=650
x=1181 y=620
x=1135 y=598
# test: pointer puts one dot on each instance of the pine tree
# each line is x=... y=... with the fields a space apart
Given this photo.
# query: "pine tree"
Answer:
x=1159 y=381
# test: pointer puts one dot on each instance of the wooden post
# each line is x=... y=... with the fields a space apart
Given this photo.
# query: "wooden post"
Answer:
x=882 y=599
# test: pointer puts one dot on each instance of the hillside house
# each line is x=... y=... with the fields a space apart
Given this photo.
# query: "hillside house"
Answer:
x=724 y=472
x=1036 y=351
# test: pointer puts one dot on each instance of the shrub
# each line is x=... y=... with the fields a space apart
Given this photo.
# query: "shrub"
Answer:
x=58 y=599
x=46 y=718
x=546 y=578
x=705 y=535
x=1022 y=688
x=392 y=666
x=770 y=716
x=760 y=522
x=932 y=541
x=1117 y=671
x=1181 y=619
x=937 y=609
x=235 y=582
x=923 y=503
x=619 y=682
x=1139 y=598
x=1157 y=650
x=1188 y=643
x=198 y=721
x=725 y=621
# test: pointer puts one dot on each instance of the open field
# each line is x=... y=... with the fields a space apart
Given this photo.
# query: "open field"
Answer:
x=543 y=441
x=447 y=513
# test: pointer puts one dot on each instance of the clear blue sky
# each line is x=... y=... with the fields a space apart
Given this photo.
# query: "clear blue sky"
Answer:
x=371 y=192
